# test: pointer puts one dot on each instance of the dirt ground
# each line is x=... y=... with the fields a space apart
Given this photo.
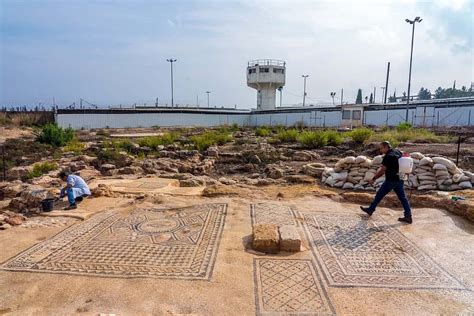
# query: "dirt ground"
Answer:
x=231 y=290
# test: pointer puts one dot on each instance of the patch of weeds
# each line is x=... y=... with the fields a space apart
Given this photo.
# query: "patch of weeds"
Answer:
x=75 y=146
x=42 y=168
x=361 y=135
x=162 y=140
x=262 y=131
x=334 y=138
x=403 y=126
x=313 y=139
x=209 y=138
x=288 y=135
x=228 y=128
x=54 y=135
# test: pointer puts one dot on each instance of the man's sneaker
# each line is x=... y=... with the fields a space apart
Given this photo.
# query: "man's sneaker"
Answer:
x=70 y=207
x=366 y=210
x=407 y=220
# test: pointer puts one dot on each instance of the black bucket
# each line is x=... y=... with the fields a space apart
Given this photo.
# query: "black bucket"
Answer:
x=47 y=205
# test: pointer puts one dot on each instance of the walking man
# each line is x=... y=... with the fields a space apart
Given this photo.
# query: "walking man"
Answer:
x=392 y=182
x=76 y=189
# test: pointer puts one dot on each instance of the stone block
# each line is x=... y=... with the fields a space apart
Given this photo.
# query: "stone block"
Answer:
x=266 y=238
x=290 y=238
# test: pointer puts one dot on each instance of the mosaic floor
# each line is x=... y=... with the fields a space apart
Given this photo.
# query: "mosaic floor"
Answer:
x=264 y=213
x=289 y=287
x=168 y=243
x=356 y=252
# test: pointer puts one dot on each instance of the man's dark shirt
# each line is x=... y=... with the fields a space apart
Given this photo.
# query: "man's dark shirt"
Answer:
x=390 y=161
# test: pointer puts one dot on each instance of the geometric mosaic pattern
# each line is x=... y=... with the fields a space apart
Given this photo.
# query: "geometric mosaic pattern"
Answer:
x=165 y=243
x=370 y=253
x=267 y=213
x=289 y=287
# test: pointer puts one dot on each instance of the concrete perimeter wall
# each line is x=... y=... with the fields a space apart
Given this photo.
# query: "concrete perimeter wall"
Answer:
x=419 y=116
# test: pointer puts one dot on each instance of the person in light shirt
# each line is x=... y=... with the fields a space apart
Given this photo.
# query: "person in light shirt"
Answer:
x=76 y=189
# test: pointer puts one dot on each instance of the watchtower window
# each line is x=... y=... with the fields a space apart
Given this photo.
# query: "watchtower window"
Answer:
x=278 y=70
x=264 y=69
x=252 y=70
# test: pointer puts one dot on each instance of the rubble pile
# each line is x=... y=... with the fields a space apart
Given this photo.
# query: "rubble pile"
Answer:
x=429 y=173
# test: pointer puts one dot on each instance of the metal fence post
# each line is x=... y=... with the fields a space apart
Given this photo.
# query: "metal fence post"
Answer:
x=457 y=153
x=4 y=167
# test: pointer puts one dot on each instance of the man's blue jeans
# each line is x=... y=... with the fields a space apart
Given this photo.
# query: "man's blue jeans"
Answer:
x=388 y=186
x=71 y=196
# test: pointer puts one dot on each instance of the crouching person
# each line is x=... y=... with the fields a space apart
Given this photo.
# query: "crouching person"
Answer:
x=76 y=189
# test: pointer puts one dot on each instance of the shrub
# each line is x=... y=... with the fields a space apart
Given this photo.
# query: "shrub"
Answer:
x=41 y=168
x=209 y=138
x=313 y=139
x=403 y=126
x=120 y=144
x=334 y=138
x=228 y=128
x=162 y=140
x=288 y=135
x=262 y=131
x=75 y=146
x=54 y=135
x=361 y=135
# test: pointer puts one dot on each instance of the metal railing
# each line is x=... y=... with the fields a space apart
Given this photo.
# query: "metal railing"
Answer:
x=266 y=62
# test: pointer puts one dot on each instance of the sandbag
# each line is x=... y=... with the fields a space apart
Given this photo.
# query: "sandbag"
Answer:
x=339 y=176
x=438 y=166
x=427 y=187
x=348 y=186
x=330 y=181
x=441 y=173
x=426 y=161
x=367 y=163
x=377 y=160
x=448 y=163
x=349 y=160
x=417 y=155
x=369 y=175
x=360 y=159
x=339 y=184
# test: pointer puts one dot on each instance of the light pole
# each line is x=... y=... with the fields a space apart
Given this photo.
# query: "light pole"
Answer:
x=171 y=61
x=333 y=94
x=208 y=98
x=412 y=22
x=304 y=89
x=383 y=95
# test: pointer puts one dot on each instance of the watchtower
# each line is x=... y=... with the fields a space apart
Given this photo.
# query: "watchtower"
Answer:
x=266 y=76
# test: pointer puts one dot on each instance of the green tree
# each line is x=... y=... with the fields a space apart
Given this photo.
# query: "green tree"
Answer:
x=359 y=97
x=424 y=94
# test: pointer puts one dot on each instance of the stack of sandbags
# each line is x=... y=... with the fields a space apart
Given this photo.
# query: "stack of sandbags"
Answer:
x=353 y=173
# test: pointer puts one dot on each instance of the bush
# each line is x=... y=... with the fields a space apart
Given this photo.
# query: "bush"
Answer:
x=120 y=144
x=262 y=131
x=313 y=139
x=209 y=138
x=403 y=126
x=155 y=141
x=361 y=135
x=41 y=168
x=54 y=135
x=288 y=135
x=334 y=138
x=75 y=146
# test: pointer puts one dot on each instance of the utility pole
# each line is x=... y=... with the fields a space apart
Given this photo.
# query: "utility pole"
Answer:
x=386 y=84
x=208 y=98
x=304 y=89
x=342 y=95
x=171 y=61
x=412 y=22
x=383 y=94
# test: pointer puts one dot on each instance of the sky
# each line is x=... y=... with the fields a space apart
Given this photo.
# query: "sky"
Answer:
x=114 y=52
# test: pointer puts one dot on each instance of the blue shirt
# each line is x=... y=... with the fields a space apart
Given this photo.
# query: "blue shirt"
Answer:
x=77 y=182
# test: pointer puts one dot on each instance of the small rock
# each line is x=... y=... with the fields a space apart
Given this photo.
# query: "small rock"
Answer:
x=266 y=238
x=290 y=238
x=5 y=226
x=14 y=221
